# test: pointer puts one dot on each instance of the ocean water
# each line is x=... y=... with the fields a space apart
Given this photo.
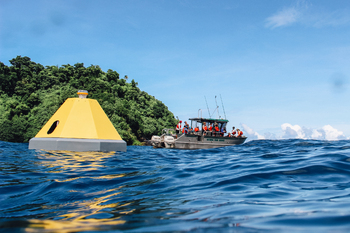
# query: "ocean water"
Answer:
x=259 y=186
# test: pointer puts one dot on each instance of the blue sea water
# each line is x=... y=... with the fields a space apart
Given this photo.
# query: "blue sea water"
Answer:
x=259 y=186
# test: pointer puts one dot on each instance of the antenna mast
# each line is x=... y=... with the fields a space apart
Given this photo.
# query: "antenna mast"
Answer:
x=217 y=107
x=207 y=106
x=223 y=107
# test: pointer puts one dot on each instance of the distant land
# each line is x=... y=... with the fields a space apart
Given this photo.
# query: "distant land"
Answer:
x=30 y=94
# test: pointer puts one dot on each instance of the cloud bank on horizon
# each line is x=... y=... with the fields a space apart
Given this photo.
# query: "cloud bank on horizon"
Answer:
x=289 y=131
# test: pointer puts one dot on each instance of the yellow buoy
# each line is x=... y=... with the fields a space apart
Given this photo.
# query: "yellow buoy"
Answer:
x=80 y=124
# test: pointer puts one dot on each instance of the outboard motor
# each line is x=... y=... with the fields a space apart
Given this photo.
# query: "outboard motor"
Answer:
x=169 y=142
x=156 y=142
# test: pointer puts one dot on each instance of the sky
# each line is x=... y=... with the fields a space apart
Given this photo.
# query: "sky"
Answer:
x=276 y=69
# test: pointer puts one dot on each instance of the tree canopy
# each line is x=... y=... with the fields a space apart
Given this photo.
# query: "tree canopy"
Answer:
x=31 y=93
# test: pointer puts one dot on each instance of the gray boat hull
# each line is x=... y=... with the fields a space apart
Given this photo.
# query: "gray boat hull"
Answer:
x=192 y=142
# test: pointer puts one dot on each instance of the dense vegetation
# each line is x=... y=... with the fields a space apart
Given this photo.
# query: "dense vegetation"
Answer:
x=31 y=93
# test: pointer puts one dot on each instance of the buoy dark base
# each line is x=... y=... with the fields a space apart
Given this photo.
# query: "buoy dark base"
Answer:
x=73 y=144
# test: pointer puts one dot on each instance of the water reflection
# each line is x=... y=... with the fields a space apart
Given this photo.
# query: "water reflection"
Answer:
x=68 y=160
x=72 y=190
x=36 y=225
x=147 y=190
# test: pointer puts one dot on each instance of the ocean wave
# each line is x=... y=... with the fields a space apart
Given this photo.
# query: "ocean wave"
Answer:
x=262 y=185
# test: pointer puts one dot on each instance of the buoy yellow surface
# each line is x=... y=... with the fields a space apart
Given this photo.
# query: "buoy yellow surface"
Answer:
x=78 y=119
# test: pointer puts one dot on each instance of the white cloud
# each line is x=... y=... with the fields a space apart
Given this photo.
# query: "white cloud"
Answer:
x=292 y=131
x=332 y=133
x=304 y=13
x=284 y=17
x=289 y=131
x=288 y=15
x=250 y=133
x=327 y=132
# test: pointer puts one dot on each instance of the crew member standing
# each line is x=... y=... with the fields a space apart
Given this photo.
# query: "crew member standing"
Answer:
x=233 y=133
x=217 y=130
x=223 y=131
x=204 y=128
x=210 y=126
x=178 y=127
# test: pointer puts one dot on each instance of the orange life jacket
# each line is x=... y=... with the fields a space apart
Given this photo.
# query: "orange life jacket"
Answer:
x=240 y=133
x=196 y=129
x=210 y=128
x=216 y=128
x=178 y=126
x=205 y=128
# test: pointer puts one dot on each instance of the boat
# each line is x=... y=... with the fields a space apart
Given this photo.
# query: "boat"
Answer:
x=196 y=140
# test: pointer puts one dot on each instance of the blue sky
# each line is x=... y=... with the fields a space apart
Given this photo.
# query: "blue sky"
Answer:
x=281 y=67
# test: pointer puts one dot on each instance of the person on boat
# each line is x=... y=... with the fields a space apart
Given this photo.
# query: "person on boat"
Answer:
x=223 y=131
x=204 y=128
x=178 y=127
x=239 y=133
x=228 y=135
x=186 y=127
x=196 y=129
x=217 y=130
x=233 y=133
x=210 y=126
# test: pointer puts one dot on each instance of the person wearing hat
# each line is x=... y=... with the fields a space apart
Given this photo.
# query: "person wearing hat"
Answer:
x=178 y=127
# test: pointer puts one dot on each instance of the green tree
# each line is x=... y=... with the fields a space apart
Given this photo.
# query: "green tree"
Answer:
x=31 y=93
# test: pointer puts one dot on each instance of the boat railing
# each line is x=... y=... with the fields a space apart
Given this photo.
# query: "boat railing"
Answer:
x=206 y=133
x=169 y=132
x=199 y=133
x=199 y=111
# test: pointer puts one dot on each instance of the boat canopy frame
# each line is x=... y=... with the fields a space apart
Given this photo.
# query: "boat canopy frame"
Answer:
x=210 y=120
x=222 y=123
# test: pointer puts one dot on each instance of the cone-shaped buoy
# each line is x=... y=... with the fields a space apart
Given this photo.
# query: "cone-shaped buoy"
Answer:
x=80 y=124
